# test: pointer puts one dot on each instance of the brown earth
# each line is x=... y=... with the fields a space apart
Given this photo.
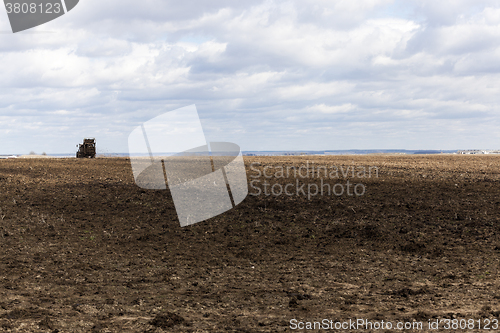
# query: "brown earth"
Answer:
x=83 y=249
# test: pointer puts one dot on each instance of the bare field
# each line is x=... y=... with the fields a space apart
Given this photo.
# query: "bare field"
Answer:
x=83 y=249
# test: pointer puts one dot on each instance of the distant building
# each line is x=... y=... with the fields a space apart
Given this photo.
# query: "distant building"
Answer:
x=477 y=151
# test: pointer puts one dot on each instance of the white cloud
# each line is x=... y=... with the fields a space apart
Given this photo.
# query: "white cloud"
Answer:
x=268 y=75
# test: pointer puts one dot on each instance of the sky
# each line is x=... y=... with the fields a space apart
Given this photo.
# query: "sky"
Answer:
x=266 y=75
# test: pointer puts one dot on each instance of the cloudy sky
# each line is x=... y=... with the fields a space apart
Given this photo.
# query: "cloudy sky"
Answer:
x=267 y=75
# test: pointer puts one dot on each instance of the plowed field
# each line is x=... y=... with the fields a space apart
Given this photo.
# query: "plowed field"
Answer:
x=83 y=249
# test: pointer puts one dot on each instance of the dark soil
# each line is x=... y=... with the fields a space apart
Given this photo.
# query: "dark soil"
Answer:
x=83 y=249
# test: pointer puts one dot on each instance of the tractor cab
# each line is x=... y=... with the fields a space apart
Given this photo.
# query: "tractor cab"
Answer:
x=87 y=149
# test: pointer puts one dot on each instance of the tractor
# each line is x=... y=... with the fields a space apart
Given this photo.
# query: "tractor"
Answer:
x=87 y=149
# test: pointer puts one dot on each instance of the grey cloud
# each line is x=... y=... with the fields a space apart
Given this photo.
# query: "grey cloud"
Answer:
x=265 y=75
x=448 y=12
